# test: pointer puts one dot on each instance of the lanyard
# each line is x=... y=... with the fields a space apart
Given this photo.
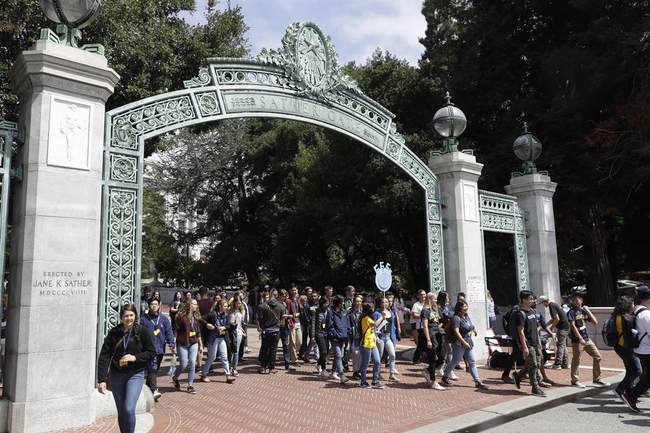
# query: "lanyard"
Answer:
x=126 y=339
x=155 y=324
x=192 y=323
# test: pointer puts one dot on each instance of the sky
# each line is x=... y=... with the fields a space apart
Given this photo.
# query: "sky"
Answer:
x=357 y=27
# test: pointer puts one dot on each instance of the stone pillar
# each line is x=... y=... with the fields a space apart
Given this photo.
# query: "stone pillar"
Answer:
x=52 y=318
x=458 y=175
x=535 y=196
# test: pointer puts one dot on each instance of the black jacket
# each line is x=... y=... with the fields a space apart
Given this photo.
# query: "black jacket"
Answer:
x=269 y=314
x=139 y=344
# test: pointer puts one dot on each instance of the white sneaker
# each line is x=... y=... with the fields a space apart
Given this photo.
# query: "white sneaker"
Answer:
x=438 y=387
x=318 y=368
x=600 y=382
x=156 y=395
x=335 y=376
x=393 y=377
x=324 y=374
x=453 y=376
x=343 y=379
x=579 y=385
x=427 y=377
x=393 y=372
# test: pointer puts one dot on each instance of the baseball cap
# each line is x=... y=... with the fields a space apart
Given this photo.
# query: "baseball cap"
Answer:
x=643 y=292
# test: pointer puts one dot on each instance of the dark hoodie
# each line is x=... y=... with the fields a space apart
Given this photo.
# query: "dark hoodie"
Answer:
x=338 y=325
x=269 y=315
x=138 y=343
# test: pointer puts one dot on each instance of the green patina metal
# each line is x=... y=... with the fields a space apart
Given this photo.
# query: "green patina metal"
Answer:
x=501 y=213
x=8 y=133
x=301 y=81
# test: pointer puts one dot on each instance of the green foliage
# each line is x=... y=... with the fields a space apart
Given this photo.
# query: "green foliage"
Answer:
x=577 y=72
x=160 y=252
x=147 y=44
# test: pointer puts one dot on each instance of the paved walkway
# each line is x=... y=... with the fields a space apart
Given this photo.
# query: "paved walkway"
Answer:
x=300 y=401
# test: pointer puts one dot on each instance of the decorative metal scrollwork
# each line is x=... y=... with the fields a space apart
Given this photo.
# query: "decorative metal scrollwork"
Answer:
x=120 y=257
x=129 y=126
x=124 y=168
x=202 y=80
x=302 y=80
x=501 y=213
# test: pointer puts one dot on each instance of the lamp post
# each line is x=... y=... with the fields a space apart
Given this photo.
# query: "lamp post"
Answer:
x=71 y=16
x=528 y=148
x=450 y=123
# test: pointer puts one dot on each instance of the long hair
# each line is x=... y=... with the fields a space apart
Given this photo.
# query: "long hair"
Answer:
x=443 y=298
x=217 y=305
x=186 y=310
x=366 y=310
x=178 y=296
x=458 y=308
x=136 y=322
x=430 y=300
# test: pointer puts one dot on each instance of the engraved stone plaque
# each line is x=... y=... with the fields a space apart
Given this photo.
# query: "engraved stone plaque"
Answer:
x=69 y=135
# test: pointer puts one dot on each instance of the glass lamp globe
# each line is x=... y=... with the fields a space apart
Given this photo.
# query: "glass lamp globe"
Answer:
x=449 y=121
x=73 y=13
x=527 y=147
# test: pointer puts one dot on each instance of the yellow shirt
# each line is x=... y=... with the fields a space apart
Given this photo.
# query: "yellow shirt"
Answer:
x=368 y=333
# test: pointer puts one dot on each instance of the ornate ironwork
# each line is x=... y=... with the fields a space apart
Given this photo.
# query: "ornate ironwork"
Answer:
x=119 y=279
x=300 y=81
x=152 y=117
x=501 y=213
x=201 y=80
x=124 y=168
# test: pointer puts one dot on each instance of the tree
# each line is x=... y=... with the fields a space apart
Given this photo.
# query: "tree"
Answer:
x=147 y=44
x=577 y=71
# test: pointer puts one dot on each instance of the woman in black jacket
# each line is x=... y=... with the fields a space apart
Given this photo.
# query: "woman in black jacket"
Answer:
x=124 y=357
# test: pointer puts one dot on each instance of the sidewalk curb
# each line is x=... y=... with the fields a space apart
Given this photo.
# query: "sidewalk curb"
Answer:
x=502 y=413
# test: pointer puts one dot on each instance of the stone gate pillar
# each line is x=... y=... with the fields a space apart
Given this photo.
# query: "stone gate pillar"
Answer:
x=458 y=175
x=52 y=317
x=535 y=196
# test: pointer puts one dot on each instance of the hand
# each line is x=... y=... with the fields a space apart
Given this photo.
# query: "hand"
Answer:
x=525 y=352
x=102 y=387
x=429 y=345
x=127 y=358
x=553 y=335
x=210 y=326
x=173 y=351
x=466 y=345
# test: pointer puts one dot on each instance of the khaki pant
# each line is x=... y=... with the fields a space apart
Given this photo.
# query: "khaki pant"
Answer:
x=591 y=350
x=295 y=340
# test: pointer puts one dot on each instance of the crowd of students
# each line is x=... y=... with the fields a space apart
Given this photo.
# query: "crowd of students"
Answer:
x=356 y=330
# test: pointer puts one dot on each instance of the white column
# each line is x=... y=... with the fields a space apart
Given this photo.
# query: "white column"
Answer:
x=51 y=346
x=458 y=175
x=535 y=196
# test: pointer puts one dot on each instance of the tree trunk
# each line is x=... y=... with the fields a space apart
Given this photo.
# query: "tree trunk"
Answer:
x=600 y=284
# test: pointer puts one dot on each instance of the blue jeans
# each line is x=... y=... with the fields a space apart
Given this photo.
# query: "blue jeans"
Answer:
x=235 y=354
x=632 y=368
x=126 y=389
x=217 y=347
x=366 y=354
x=337 y=365
x=386 y=343
x=458 y=353
x=187 y=359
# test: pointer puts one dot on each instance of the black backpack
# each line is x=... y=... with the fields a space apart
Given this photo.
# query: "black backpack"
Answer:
x=507 y=321
x=635 y=342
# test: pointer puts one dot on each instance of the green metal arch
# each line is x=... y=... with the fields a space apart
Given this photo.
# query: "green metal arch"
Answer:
x=269 y=86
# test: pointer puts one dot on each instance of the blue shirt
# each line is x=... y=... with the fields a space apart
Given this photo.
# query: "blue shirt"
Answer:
x=161 y=331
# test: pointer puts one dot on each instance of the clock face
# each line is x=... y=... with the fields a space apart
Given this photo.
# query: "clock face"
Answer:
x=313 y=61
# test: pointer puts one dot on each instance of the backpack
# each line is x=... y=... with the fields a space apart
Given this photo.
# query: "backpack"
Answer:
x=609 y=333
x=635 y=342
x=499 y=360
x=507 y=321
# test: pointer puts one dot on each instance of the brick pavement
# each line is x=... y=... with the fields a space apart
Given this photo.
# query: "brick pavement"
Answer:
x=290 y=402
